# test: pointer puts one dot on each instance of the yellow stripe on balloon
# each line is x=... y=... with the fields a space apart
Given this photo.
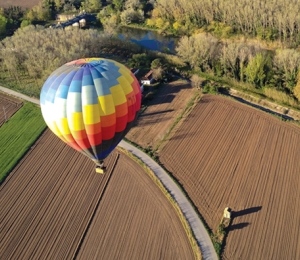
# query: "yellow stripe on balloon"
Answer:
x=127 y=74
x=118 y=95
x=127 y=88
x=63 y=126
x=76 y=121
x=91 y=114
x=107 y=105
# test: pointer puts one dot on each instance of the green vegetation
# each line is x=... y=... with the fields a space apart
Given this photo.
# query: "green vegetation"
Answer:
x=17 y=136
x=33 y=53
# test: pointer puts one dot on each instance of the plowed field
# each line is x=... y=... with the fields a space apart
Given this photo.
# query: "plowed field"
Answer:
x=8 y=106
x=54 y=206
x=228 y=154
x=162 y=111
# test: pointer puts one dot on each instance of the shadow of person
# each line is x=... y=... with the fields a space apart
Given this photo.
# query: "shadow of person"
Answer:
x=243 y=212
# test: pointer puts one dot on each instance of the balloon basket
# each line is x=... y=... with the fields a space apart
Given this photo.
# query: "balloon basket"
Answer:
x=100 y=170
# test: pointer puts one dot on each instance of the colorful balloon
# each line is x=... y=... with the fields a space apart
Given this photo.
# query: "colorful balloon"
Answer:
x=91 y=104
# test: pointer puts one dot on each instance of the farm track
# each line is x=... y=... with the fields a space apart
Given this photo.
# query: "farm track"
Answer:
x=228 y=154
x=49 y=209
x=161 y=113
x=8 y=106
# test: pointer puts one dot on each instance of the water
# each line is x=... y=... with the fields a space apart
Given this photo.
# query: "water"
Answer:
x=149 y=39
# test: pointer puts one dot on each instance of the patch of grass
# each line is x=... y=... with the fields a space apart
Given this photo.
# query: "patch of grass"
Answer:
x=17 y=136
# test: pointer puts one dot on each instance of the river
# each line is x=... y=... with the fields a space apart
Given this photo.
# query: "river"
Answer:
x=149 y=39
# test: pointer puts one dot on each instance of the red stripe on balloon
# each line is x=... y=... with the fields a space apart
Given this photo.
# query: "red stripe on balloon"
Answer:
x=121 y=123
x=108 y=132
x=95 y=139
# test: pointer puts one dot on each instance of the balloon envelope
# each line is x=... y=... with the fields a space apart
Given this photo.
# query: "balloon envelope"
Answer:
x=91 y=104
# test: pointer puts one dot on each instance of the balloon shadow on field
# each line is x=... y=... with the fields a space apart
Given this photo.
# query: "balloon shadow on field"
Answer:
x=238 y=226
x=247 y=211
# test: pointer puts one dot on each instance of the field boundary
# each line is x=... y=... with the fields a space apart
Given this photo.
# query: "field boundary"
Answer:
x=192 y=223
x=108 y=174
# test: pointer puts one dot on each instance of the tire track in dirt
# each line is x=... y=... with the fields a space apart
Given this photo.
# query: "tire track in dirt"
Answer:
x=229 y=154
x=48 y=201
x=137 y=210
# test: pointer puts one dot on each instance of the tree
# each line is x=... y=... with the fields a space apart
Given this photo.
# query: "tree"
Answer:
x=118 y=5
x=198 y=50
x=131 y=16
x=3 y=23
x=156 y=63
x=296 y=89
x=287 y=62
x=91 y=6
x=158 y=73
x=257 y=69
x=139 y=60
x=196 y=81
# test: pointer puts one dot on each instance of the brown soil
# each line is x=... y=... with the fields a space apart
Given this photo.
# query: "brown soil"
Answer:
x=54 y=206
x=8 y=106
x=134 y=221
x=229 y=154
x=162 y=111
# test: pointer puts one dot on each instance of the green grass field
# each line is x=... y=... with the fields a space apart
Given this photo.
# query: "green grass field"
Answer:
x=17 y=136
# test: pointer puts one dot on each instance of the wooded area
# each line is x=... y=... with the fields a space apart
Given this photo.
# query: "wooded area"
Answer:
x=33 y=53
x=215 y=39
x=268 y=20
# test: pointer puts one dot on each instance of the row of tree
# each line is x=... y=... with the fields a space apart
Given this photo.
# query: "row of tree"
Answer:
x=266 y=19
x=34 y=52
x=242 y=61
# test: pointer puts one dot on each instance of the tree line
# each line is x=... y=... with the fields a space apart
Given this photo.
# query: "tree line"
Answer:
x=244 y=62
x=34 y=52
x=269 y=20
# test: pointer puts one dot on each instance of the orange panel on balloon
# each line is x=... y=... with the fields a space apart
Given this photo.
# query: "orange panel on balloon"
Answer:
x=109 y=120
x=93 y=129
x=121 y=110
x=79 y=135
x=74 y=145
x=84 y=143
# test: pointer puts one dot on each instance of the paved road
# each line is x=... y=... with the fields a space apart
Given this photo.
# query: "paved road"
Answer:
x=202 y=237
x=19 y=95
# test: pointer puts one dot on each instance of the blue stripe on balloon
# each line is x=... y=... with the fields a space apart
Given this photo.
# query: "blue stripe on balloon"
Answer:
x=103 y=86
x=76 y=83
x=87 y=78
x=51 y=95
x=104 y=154
x=62 y=91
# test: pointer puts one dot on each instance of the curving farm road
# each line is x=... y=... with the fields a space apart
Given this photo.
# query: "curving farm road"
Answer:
x=201 y=235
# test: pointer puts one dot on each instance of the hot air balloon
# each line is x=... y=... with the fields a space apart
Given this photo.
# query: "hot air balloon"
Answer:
x=91 y=104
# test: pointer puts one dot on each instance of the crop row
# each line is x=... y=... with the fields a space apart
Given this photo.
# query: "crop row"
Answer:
x=18 y=135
